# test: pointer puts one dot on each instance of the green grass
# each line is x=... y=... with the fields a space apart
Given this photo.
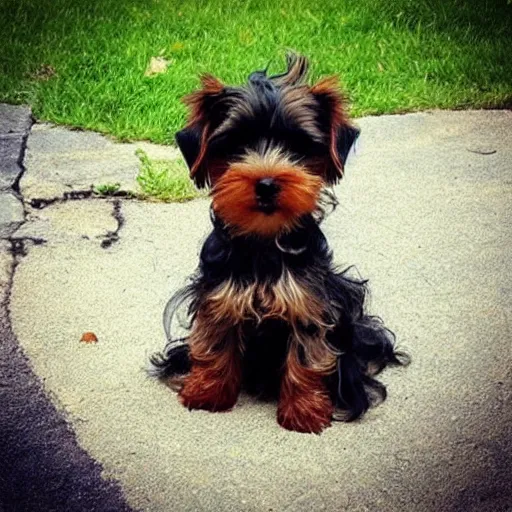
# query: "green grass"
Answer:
x=165 y=180
x=82 y=62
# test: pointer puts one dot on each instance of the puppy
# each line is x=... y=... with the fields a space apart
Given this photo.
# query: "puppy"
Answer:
x=269 y=313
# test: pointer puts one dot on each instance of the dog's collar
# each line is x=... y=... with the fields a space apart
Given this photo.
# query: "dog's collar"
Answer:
x=294 y=243
x=298 y=240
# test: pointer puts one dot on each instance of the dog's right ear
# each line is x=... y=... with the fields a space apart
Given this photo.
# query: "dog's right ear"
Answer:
x=189 y=142
x=193 y=139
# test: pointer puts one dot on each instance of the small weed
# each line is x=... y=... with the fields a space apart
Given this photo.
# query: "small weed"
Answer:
x=165 y=180
x=107 y=189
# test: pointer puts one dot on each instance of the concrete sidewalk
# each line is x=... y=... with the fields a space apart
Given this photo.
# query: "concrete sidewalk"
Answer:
x=425 y=213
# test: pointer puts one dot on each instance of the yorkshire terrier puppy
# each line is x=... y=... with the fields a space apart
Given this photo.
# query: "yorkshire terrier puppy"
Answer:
x=269 y=313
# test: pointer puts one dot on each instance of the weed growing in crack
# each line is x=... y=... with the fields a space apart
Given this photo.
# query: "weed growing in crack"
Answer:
x=165 y=180
x=107 y=189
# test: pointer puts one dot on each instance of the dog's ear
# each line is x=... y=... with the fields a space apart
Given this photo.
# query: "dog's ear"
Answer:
x=193 y=139
x=341 y=135
x=189 y=142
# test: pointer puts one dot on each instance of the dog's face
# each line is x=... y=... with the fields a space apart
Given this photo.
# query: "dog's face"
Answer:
x=267 y=149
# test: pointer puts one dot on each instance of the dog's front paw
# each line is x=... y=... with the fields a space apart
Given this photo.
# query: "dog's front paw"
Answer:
x=305 y=413
x=208 y=403
x=211 y=395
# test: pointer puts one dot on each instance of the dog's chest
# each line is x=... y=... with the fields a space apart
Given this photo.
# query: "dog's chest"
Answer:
x=287 y=299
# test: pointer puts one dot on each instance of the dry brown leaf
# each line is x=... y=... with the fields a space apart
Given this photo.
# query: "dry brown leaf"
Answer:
x=89 y=337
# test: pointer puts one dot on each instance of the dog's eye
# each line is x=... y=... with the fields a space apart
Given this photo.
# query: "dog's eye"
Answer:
x=235 y=141
x=300 y=145
x=230 y=143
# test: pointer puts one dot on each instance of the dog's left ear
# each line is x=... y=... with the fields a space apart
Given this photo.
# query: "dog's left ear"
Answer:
x=203 y=113
x=341 y=134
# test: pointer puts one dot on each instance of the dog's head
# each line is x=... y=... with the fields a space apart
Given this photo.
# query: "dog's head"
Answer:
x=268 y=148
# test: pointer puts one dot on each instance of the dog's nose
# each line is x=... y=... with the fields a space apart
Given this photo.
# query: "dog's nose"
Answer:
x=266 y=189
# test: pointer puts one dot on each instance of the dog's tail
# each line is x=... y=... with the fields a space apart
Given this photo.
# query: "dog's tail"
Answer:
x=174 y=360
x=365 y=347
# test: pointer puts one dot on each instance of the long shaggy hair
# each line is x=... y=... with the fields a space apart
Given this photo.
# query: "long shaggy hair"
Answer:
x=268 y=311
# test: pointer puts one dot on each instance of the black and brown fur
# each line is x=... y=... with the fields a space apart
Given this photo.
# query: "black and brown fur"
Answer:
x=268 y=311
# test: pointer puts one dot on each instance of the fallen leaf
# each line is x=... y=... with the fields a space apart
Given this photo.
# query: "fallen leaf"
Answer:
x=89 y=337
x=156 y=66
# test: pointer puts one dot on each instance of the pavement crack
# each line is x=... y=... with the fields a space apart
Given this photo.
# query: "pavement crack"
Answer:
x=21 y=159
x=14 y=132
x=40 y=203
x=19 y=245
x=113 y=236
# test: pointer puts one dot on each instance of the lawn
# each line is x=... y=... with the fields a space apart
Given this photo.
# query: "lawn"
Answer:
x=83 y=63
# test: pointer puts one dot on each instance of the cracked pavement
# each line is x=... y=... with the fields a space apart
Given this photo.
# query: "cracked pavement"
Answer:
x=424 y=213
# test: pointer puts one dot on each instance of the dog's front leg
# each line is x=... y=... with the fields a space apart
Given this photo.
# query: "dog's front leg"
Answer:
x=215 y=377
x=304 y=403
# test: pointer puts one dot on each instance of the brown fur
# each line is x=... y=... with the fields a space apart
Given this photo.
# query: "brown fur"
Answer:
x=289 y=300
x=328 y=90
x=304 y=403
x=211 y=86
x=215 y=379
x=235 y=202
x=215 y=352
